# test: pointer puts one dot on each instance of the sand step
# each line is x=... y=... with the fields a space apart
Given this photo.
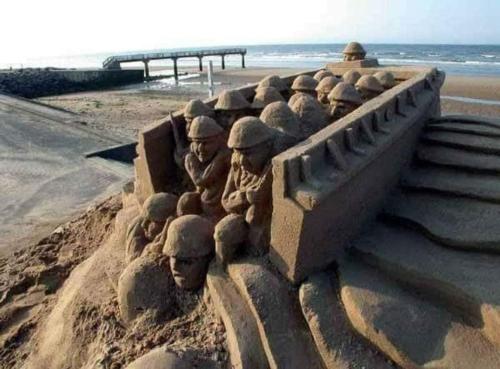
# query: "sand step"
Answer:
x=468 y=119
x=287 y=341
x=481 y=144
x=474 y=129
x=456 y=158
x=448 y=180
x=339 y=346
x=453 y=221
x=414 y=332
x=466 y=283
x=244 y=344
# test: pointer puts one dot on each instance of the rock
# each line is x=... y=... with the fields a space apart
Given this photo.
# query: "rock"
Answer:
x=465 y=282
x=244 y=344
x=456 y=222
x=159 y=358
x=456 y=158
x=448 y=180
x=480 y=144
x=145 y=286
x=339 y=346
x=286 y=339
x=413 y=332
x=476 y=129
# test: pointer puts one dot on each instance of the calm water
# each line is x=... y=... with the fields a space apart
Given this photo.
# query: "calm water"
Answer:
x=454 y=59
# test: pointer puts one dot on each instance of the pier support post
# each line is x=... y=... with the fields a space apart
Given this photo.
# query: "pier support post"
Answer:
x=243 y=61
x=223 y=61
x=146 y=69
x=176 y=71
x=200 y=64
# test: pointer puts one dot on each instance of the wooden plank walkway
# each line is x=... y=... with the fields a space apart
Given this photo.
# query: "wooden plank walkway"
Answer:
x=114 y=62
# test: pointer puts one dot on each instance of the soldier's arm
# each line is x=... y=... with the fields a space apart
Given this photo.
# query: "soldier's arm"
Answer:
x=233 y=200
x=192 y=168
x=216 y=171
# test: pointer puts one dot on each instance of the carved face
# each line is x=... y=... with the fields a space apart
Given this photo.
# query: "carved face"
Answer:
x=367 y=94
x=353 y=57
x=152 y=228
x=189 y=273
x=341 y=108
x=226 y=118
x=254 y=159
x=323 y=98
x=188 y=124
x=206 y=149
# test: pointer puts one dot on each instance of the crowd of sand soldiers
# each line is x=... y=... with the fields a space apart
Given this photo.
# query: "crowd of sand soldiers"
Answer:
x=226 y=152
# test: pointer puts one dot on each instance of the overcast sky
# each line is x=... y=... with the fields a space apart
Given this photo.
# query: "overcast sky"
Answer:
x=67 y=27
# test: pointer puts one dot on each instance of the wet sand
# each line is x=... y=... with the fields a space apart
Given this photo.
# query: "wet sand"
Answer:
x=126 y=111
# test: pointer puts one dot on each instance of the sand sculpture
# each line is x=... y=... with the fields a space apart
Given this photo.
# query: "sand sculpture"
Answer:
x=325 y=86
x=280 y=279
x=265 y=96
x=354 y=51
x=369 y=87
x=323 y=73
x=231 y=105
x=305 y=84
x=207 y=164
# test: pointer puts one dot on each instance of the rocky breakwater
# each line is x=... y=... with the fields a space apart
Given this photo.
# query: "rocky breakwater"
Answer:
x=37 y=82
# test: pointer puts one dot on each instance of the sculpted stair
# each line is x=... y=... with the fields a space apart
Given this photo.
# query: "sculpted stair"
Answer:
x=422 y=284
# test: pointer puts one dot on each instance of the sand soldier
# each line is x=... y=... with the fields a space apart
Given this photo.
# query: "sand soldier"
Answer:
x=311 y=114
x=323 y=73
x=351 y=76
x=386 y=79
x=305 y=84
x=265 y=96
x=207 y=164
x=231 y=106
x=248 y=186
x=344 y=99
x=325 y=86
x=193 y=109
x=190 y=246
x=369 y=87
x=280 y=117
x=354 y=51
x=158 y=209
x=277 y=83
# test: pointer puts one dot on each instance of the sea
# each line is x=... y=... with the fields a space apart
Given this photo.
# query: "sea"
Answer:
x=474 y=60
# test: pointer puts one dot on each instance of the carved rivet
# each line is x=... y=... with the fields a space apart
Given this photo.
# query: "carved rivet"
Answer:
x=351 y=142
x=377 y=124
x=411 y=98
x=307 y=172
x=367 y=132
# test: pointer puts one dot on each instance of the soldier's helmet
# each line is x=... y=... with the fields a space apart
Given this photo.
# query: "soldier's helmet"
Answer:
x=351 y=77
x=311 y=114
x=231 y=100
x=264 y=96
x=304 y=83
x=322 y=74
x=204 y=127
x=195 y=108
x=159 y=207
x=279 y=116
x=345 y=92
x=273 y=81
x=327 y=84
x=369 y=83
x=355 y=48
x=248 y=132
x=386 y=79
x=189 y=236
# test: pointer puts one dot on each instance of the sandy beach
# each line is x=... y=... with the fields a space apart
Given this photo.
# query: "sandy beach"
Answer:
x=125 y=111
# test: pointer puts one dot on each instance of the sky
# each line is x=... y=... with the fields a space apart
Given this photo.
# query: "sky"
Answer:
x=55 y=27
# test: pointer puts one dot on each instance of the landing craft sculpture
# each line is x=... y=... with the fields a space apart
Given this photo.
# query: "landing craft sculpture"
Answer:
x=314 y=247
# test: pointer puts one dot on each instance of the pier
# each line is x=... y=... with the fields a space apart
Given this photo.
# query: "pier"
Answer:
x=115 y=61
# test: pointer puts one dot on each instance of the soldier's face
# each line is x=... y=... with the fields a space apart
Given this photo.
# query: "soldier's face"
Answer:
x=188 y=124
x=152 y=228
x=189 y=273
x=323 y=98
x=254 y=159
x=367 y=94
x=205 y=150
x=226 y=118
x=340 y=109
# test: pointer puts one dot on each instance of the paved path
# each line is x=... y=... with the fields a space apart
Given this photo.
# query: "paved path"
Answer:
x=44 y=176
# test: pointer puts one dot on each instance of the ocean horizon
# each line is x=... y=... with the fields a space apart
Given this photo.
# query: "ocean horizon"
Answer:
x=453 y=59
